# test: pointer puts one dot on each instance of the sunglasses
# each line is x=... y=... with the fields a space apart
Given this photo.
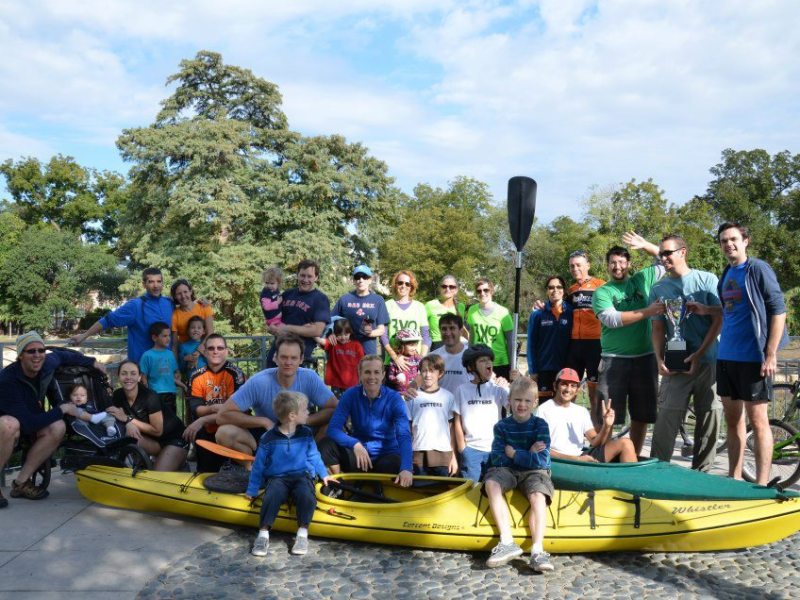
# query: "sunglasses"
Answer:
x=216 y=348
x=403 y=283
x=666 y=253
x=35 y=351
x=555 y=287
x=361 y=276
x=483 y=291
x=444 y=286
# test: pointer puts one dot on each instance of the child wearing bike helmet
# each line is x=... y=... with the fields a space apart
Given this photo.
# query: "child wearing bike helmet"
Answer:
x=408 y=341
x=477 y=408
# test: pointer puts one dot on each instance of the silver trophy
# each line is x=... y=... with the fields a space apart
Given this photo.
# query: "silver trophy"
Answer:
x=676 y=352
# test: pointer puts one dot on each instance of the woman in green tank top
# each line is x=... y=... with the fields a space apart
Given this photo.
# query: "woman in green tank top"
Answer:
x=491 y=324
x=444 y=304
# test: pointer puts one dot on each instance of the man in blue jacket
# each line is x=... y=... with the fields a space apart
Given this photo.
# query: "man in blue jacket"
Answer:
x=23 y=386
x=753 y=330
x=138 y=315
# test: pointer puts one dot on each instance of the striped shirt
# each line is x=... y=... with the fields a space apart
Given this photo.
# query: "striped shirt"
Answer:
x=520 y=436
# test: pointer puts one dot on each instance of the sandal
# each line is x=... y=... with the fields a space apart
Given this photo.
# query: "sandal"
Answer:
x=28 y=491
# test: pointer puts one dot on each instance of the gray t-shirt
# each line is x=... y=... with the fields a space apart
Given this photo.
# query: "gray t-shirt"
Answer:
x=695 y=286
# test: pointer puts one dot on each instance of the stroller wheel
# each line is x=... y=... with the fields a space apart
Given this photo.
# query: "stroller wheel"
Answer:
x=134 y=457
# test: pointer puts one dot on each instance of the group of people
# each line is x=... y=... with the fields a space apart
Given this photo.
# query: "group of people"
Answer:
x=434 y=404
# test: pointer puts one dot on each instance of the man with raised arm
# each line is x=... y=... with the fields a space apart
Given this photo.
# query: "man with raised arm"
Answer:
x=138 y=315
x=683 y=284
x=628 y=373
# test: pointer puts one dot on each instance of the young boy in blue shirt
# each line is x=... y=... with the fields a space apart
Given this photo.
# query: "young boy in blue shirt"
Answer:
x=159 y=368
x=286 y=462
x=520 y=458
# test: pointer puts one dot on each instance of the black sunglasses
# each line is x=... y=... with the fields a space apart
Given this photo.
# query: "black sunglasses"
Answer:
x=666 y=253
x=358 y=276
x=35 y=351
x=444 y=286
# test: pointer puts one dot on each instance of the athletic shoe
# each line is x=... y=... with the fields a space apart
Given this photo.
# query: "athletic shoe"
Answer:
x=260 y=546
x=28 y=490
x=3 y=501
x=503 y=553
x=540 y=562
x=300 y=546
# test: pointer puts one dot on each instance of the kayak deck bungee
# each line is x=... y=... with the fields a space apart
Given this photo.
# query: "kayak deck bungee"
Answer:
x=447 y=513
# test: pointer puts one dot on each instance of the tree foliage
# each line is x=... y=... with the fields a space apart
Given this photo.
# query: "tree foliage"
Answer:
x=219 y=181
x=762 y=192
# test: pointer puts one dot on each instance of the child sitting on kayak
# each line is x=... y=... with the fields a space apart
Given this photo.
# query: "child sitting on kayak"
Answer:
x=431 y=415
x=478 y=407
x=520 y=458
x=285 y=464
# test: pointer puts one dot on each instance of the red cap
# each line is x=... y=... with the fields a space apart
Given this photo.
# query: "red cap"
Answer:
x=568 y=375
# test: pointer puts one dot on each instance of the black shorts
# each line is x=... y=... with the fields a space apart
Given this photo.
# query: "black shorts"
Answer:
x=742 y=381
x=632 y=384
x=334 y=454
x=584 y=356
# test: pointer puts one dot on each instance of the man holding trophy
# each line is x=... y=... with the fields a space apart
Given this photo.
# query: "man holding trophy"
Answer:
x=685 y=346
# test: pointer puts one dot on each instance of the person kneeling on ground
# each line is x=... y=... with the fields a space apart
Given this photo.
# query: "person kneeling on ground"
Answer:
x=23 y=386
x=381 y=439
x=570 y=424
x=286 y=461
x=520 y=458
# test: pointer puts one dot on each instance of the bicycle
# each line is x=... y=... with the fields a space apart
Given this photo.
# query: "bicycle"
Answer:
x=785 y=467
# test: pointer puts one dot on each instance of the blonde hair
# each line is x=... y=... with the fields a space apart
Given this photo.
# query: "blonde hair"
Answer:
x=521 y=385
x=273 y=273
x=286 y=402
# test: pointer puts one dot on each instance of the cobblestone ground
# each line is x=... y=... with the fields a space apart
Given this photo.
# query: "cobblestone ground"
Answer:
x=337 y=570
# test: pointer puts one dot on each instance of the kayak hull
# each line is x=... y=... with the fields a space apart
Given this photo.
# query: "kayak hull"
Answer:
x=454 y=515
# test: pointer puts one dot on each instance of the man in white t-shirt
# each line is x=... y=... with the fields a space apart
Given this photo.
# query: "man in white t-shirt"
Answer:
x=477 y=407
x=455 y=374
x=570 y=426
x=431 y=415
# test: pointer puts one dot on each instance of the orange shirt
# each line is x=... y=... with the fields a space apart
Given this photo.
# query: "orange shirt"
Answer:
x=180 y=319
x=585 y=325
x=207 y=388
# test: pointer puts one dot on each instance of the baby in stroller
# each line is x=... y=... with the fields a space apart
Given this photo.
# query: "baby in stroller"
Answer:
x=79 y=396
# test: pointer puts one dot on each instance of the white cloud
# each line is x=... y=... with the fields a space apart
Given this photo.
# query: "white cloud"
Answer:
x=571 y=93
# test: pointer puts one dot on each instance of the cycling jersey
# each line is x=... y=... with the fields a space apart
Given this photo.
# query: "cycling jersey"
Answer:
x=585 y=325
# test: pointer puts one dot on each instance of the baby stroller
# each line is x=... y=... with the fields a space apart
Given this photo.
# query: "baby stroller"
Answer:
x=88 y=443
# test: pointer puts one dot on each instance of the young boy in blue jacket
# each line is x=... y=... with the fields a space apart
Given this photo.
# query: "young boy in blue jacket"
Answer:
x=286 y=462
x=520 y=458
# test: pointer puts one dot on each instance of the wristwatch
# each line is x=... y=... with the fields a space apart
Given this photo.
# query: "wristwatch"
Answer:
x=129 y=419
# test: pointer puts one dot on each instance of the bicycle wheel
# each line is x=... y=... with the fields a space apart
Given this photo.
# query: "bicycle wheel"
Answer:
x=783 y=401
x=785 y=460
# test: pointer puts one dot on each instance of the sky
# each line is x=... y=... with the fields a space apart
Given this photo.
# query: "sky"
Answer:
x=573 y=93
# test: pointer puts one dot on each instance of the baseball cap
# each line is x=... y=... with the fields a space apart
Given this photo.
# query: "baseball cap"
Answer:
x=362 y=269
x=568 y=375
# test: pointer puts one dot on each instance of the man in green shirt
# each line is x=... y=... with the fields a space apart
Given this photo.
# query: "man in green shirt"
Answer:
x=628 y=374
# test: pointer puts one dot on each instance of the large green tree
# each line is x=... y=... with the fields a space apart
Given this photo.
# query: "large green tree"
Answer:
x=221 y=187
x=65 y=194
x=763 y=193
x=440 y=231
x=48 y=271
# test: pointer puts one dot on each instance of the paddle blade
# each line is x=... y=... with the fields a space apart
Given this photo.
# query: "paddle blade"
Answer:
x=521 y=209
x=223 y=450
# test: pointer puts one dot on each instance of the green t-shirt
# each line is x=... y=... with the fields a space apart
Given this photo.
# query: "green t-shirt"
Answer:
x=631 y=294
x=414 y=317
x=490 y=330
x=435 y=310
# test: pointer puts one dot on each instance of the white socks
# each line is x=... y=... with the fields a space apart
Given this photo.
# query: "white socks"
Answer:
x=263 y=533
x=302 y=532
x=98 y=417
x=537 y=548
x=506 y=539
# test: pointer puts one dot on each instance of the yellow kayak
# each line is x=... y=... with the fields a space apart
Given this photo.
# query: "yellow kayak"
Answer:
x=448 y=513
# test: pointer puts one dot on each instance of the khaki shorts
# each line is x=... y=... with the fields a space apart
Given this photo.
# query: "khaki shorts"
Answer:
x=534 y=480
